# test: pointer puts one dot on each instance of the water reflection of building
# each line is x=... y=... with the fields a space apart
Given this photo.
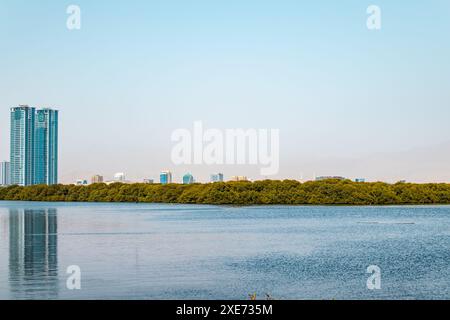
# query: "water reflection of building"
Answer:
x=33 y=261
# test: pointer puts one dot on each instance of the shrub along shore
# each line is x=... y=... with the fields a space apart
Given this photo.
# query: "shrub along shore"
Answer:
x=268 y=192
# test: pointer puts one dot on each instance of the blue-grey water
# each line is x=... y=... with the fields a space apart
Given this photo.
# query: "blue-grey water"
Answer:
x=153 y=251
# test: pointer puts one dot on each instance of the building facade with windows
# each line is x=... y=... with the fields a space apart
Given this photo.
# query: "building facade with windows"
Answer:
x=46 y=147
x=33 y=146
x=22 y=145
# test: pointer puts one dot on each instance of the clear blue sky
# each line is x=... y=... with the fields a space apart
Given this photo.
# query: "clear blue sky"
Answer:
x=137 y=70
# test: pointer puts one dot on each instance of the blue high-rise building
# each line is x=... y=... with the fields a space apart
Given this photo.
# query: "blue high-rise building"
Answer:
x=22 y=145
x=46 y=147
x=34 y=146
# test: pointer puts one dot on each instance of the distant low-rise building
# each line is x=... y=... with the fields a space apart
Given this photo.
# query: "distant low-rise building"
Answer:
x=119 y=177
x=148 y=181
x=239 y=178
x=97 y=179
x=5 y=173
x=361 y=180
x=81 y=182
x=216 y=177
x=188 y=178
x=165 y=177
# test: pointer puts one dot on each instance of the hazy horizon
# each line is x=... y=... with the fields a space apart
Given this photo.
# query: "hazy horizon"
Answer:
x=347 y=100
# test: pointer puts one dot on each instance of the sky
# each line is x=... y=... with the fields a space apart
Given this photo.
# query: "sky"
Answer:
x=347 y=100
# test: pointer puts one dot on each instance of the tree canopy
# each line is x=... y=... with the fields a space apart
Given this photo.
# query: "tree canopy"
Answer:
x=267 y=192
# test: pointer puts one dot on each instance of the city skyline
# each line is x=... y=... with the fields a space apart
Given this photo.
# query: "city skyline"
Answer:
x=42 y=145
x=348 y=101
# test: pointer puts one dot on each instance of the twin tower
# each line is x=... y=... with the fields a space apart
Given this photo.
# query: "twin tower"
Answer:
x=34 y=146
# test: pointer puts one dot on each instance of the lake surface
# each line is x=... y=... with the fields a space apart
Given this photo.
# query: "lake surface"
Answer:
x=153 y=251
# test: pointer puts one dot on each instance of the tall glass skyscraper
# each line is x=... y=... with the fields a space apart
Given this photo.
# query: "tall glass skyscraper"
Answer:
x=22 y=145
x=46 y=147
x=34 y=146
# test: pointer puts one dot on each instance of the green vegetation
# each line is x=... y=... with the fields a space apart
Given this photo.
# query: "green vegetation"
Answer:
x=268 y=192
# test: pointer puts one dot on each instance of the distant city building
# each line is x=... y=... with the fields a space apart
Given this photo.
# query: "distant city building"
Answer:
x=165 y=177
x=217 y=177
x=22 y=145
x=46 y=147
x=329 y=177
x=119 y=177
x=402 y=181
x=239 y=178
x=360 y=180
x=97 y=179
x=5 y=174
x=81 y=182
x=188 y=178
x=34 y=146
x=148 y=181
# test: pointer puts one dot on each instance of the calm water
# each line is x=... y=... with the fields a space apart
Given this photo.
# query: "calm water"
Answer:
x=145 y=251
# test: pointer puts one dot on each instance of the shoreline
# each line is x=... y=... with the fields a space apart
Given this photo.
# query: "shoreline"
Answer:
x=239 y=206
